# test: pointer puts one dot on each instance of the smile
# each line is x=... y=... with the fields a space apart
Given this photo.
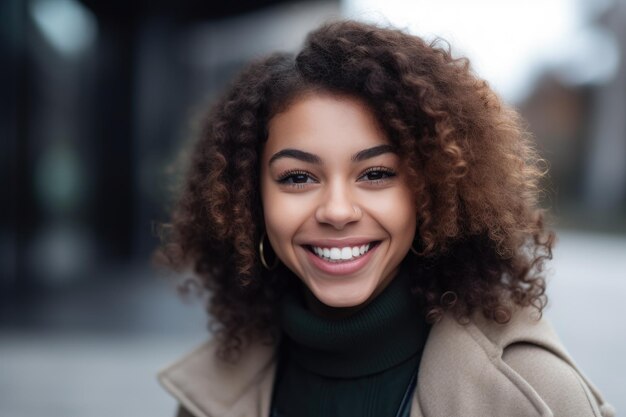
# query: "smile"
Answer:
x=341 y=254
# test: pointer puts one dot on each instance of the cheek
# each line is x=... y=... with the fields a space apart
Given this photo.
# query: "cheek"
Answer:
x=277 y=225
x=397 y=213
x=283 y=216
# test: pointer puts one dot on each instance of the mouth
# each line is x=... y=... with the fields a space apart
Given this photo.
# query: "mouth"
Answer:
x=341 y=254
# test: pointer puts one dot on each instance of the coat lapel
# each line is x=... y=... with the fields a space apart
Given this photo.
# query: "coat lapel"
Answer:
x=462 y=374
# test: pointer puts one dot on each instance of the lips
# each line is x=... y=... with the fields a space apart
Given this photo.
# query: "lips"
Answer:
x=341 y=253
x=341 y=258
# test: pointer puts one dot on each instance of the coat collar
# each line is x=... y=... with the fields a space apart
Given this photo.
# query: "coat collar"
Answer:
x=209 y=387
x=458 y=362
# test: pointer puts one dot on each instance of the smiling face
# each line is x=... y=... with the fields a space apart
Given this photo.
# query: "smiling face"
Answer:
x=338 y=213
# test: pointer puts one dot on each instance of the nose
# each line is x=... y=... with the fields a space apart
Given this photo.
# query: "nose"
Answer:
x=337 y=208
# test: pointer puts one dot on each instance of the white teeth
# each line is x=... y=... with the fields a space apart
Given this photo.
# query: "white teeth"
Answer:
x=341 y=254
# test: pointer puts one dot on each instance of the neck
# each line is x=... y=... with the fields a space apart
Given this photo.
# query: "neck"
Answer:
x=379 y=335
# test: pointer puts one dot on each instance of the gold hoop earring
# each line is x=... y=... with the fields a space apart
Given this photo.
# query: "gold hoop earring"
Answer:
x=415 y=252
x=262 y=255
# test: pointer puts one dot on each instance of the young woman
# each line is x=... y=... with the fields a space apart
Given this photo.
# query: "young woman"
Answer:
x=364 y=217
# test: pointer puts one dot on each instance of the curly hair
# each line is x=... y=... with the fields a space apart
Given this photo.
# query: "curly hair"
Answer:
x=471 y=165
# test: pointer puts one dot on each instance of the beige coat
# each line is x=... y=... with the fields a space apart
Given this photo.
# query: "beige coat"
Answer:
x=480 y=369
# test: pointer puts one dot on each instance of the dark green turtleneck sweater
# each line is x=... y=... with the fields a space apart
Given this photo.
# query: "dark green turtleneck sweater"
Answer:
x=360 y=365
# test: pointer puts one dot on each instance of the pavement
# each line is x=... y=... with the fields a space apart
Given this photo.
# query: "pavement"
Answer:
x=97 y=353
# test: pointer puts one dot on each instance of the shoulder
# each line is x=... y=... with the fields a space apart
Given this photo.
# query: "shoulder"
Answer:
x=558 y=383
x=520 y=368
x=206 y=385
x=531 y=349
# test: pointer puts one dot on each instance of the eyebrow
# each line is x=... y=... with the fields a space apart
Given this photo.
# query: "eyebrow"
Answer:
x=296 y=154
x=372 y=152
x=314 y=159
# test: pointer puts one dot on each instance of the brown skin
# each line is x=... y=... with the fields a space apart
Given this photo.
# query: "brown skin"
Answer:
x=335 y=198
x=471 y=169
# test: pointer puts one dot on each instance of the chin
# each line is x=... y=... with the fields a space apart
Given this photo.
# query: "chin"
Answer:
x=343 y=303
x=341 y=300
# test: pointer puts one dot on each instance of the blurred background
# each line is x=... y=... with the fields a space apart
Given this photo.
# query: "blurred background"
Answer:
x=98 y=98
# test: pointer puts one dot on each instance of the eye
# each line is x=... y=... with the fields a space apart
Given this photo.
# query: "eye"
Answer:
x=296 y=178
x=377 y=175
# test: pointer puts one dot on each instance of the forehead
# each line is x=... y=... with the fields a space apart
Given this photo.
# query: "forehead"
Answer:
x=324 y=124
